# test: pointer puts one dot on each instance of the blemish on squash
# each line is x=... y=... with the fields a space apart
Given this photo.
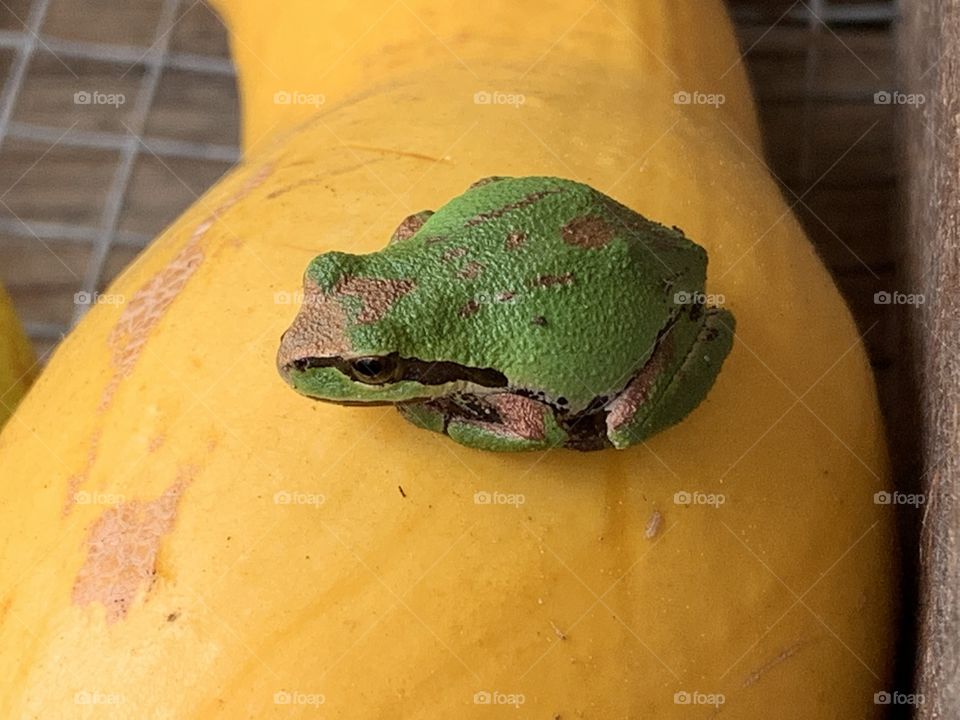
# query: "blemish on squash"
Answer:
x=122 y=548
x=653 y=525
x=400 y=153
x=75 y=482
x=145 y=309
x=765 y=668
x=150 y=303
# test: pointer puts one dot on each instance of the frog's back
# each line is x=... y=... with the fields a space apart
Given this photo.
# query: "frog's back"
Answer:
x=517 y=264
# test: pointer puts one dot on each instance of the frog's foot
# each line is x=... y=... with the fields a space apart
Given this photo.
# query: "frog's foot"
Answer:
x=499 y=422
x=672 y=383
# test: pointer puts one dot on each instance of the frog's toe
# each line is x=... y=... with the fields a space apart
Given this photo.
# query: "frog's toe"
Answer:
x=652 y=402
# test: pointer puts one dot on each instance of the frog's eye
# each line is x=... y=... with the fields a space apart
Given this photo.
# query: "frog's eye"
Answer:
x=374 y=370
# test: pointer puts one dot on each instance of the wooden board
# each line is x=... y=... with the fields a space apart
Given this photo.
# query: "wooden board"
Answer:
x=930 y=60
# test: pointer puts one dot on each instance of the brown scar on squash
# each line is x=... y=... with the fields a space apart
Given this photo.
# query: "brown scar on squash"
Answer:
x=516 y=205
x=75 y=482
x=550 y=280
x=400 y=153
x=146 y=308
x=122 y=548
x=150 y=303
x=766 y=667
x=378 y=295
x=588 y=232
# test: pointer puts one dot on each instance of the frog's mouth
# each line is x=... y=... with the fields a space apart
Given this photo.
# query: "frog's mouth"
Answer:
x=423 y=372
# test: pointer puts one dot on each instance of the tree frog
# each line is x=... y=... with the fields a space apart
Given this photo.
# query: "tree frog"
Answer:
x=527 y=313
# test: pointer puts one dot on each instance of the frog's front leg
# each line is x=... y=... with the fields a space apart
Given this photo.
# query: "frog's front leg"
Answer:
x=499 y=421
x=674 y=380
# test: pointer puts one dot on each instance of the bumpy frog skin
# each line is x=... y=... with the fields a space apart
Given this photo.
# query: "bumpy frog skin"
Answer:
x=528 y=313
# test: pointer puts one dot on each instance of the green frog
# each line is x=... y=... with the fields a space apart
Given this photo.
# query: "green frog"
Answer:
x=528 y=313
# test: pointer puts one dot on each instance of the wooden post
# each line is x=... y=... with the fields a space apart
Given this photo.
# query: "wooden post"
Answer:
x=930 y=61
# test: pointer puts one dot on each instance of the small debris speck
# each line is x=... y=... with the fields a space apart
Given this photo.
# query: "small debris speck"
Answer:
x=653 y=525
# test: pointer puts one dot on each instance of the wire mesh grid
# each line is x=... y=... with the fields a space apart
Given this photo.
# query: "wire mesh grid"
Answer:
x=106 y=78
x=817 y=66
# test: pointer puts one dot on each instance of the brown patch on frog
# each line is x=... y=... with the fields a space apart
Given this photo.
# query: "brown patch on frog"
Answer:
x=486 y=181
x=122 y=548
x=410 y=226
x=435 y=240
x=471 y=271
x=453 y=253
x=506 y=296
x=515 y=240
x=539 y=320
x=378 y=295
x=551 y=280
x=469 y=308
x=319 y=329
x=588 y=232
x=623 y=408
x=516 y=205
x=520 y=415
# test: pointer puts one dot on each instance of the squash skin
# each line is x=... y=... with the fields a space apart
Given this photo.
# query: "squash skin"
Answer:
x=395 y=604
x=17 y=361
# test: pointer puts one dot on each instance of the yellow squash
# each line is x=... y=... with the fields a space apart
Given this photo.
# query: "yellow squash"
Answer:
x=16 y=359
x=188 y=538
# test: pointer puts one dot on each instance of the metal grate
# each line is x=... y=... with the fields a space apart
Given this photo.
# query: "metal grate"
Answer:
x=88 y=64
